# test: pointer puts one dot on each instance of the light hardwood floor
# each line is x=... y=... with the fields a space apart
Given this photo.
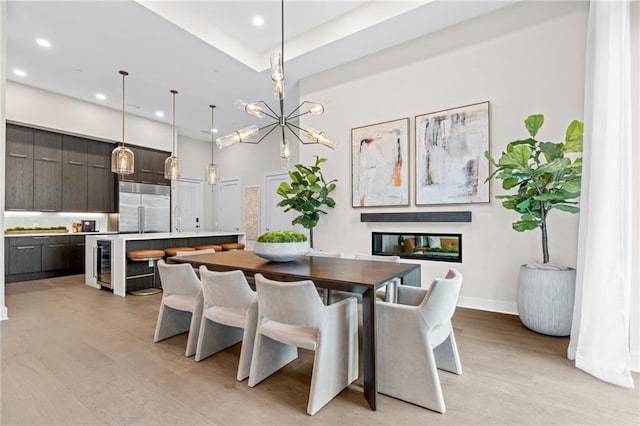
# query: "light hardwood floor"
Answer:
x=76 y=355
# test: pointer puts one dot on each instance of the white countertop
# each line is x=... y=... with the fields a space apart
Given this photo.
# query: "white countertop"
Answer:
x=56 y=234
x=163 y=235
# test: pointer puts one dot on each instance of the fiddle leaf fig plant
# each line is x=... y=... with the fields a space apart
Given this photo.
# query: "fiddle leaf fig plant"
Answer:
x=542 y=176
x=306 y=194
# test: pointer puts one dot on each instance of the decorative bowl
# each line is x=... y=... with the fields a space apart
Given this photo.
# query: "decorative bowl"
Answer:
x=281 y=252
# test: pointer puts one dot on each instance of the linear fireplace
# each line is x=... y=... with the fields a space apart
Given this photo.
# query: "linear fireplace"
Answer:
x=443 y=247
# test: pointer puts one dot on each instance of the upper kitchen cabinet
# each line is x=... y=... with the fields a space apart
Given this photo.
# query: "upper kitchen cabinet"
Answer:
x=148 y=166
x=99 y=154
x=47 y=146
x=158 y=167
x=47 y=171
x=19 y=169
x=74 y=150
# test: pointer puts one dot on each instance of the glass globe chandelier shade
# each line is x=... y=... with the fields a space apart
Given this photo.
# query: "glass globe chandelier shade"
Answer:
x=278 y=117
x=121 y=156
x=122 y=160
x=172 y=168
x=211 y=174
x=173 y=165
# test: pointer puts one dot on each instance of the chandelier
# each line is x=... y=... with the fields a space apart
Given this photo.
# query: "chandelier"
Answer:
x=281 y=120
x=211 y=173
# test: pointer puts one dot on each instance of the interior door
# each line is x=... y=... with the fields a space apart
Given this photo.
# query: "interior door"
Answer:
x=189 y=209
x=229 y=205
x=274 y=217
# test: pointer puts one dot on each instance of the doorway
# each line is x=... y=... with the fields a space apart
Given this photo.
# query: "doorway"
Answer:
x=230 y=205
x=188 y=212
x=274 y=218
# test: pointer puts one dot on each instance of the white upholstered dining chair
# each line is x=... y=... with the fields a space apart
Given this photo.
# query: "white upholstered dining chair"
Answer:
x=415 y=338
x=229 y=316
x=181 y=304
x=291 y=315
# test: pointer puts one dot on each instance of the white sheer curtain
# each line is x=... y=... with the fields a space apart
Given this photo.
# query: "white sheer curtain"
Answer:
x=600 y=332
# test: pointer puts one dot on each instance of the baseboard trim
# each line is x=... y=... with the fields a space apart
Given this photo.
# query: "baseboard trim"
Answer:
x=634 y=361
x=4 y=314
x=488 y=305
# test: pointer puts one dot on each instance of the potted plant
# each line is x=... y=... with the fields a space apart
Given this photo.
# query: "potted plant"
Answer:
x=281 y=246
x=306 y=194
x=544 y=179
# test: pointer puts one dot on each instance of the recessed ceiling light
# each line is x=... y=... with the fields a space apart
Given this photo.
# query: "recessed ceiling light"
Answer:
x=101 y=96
x=20 y=73
x=42 y=42
x=258 y=21
x=159 y=114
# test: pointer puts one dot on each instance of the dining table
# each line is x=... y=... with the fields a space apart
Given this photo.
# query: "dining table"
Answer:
x=353 y=275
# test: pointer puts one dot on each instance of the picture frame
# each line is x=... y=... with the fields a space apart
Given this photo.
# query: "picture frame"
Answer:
x=380 y=164
x=450 y=164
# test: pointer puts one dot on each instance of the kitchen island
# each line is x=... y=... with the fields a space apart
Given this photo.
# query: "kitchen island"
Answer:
x=120 y=268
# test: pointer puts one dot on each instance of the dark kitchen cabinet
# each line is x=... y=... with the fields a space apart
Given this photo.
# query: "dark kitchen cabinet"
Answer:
x=55 y=255
x=24 y=258
x=47 y=186
x=99 y=154
x=47 y=146
x=19 y=184
x=159 y=158
x=74 y=150
x=101 y=192
x=19 y=142
x=144 y=168
x=76 y=252
x=19 y=168
x=74 y=188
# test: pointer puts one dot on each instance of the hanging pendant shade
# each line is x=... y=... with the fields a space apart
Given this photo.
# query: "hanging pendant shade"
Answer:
x=211 y=173
x=173 y=165
x=121 y=156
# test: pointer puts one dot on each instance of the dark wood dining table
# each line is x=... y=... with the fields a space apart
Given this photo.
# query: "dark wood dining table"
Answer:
x=357 y=276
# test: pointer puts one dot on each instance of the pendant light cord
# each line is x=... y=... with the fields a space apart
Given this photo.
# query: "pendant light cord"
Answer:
x=213 y=107
x=174 y=92
x=123 y=73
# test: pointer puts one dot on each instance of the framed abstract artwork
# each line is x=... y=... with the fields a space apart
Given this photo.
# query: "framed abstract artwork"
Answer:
x=380 y=164
x=450 y=164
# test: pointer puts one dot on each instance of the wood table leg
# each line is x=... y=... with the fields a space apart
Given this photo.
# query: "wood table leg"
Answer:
x=369 y=346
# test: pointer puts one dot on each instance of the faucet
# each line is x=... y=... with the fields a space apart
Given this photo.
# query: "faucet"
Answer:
x=177 y=218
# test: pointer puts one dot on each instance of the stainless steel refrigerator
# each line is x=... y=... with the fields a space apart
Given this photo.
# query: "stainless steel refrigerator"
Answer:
x=144 y=208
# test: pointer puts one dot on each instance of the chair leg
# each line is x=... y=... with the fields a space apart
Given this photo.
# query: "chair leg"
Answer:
x=214 y=337
x=171 y=322
x=248 y=341
x=446 y=354
x=268 y=357
x=194 y=327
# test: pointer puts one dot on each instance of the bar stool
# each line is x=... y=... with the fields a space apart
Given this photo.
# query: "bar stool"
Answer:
x=216 y=247
x=232 y=246
x=172 y=251
x=150 y=256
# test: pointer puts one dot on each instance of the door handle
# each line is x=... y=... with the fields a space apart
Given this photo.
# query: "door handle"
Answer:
x=100 y=166
x=40 y=238
x=25 y=247
x=11 y=154
x=51 y=160
x=56 y=245
x=95 y=263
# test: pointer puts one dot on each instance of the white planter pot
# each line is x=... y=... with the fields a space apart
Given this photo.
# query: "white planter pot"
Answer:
x=281 y=252
x=545 y=299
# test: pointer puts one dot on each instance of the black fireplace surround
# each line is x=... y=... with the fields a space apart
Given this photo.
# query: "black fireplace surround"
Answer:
x=421 y=246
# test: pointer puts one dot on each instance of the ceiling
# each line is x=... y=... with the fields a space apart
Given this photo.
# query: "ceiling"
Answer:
x=209 y=51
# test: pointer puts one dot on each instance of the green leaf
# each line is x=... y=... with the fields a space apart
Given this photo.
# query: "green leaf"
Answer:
x=521 y=154
x=524 y=225
x=552 y=150
x=490 y=158
x=533 y=123
x=573 y=137
x=573 y=186
x=312 y=179
x=511 y=145
x=510 y=183
x=567 y=208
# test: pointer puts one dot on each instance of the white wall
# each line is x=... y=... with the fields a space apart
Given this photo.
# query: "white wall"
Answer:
x=635 y=288
x=524 y=59
x=32 y=106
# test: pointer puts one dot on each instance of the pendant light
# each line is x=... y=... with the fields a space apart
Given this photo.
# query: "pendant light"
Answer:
x=212 y=169
x=173 y=165
x=121 y=156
